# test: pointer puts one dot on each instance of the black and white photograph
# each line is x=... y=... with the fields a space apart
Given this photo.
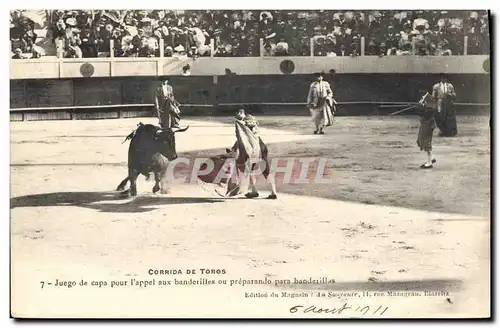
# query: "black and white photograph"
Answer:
x=250 y=163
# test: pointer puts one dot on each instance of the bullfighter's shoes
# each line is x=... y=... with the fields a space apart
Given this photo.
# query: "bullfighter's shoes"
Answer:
x=252 y=195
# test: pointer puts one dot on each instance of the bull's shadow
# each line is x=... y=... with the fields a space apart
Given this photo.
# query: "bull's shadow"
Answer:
x=105 y=201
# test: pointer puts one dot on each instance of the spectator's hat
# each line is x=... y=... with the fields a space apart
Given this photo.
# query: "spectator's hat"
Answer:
x=169 y=48
x=146 y=20
x=266 y=15
x=12 y=25
x=18 y=51
x=163 y=78
x=320 y=38
x=179 y=48
x=71 y=21
x=371 y=43
x=383 y=44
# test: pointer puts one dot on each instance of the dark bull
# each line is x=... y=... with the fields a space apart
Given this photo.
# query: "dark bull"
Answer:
x=150 y=150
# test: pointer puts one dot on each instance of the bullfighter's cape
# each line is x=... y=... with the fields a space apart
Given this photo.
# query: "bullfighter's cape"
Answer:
x=247 y=140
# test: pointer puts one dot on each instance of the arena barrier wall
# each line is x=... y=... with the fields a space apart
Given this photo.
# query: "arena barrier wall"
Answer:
x=117 y=67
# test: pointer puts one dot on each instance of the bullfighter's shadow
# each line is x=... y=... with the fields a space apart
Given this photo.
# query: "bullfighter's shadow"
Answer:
x=102 y=201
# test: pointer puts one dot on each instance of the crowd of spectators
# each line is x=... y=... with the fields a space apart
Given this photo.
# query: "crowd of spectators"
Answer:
x=237 y=33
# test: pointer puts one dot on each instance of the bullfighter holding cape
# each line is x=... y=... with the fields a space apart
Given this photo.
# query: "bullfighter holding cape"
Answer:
x=321 y=103
x=246 y=149
x=166 y=107
x=249 y=151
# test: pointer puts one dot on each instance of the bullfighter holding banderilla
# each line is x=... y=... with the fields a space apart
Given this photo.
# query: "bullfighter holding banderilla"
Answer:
x=321 y=103
x=428 y=112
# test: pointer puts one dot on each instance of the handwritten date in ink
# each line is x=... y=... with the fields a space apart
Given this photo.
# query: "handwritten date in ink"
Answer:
x=345 y=309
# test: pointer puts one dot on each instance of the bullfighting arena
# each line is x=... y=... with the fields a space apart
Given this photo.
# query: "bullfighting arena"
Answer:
x=382 y=225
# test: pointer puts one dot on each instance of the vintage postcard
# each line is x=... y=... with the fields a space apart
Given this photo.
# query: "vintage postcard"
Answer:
x=250 y=163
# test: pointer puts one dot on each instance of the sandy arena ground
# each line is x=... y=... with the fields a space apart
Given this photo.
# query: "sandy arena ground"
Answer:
x=383 y=225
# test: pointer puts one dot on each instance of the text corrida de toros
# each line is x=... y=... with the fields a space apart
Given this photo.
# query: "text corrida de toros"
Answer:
x=154 y=272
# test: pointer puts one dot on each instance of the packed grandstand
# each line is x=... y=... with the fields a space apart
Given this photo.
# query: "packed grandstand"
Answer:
x=237 y=33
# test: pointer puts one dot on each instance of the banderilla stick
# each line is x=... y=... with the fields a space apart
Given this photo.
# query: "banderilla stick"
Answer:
x=403 y=110
x=411 y=107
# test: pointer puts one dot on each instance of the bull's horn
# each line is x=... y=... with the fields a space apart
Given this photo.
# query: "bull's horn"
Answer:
x=179 y=129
